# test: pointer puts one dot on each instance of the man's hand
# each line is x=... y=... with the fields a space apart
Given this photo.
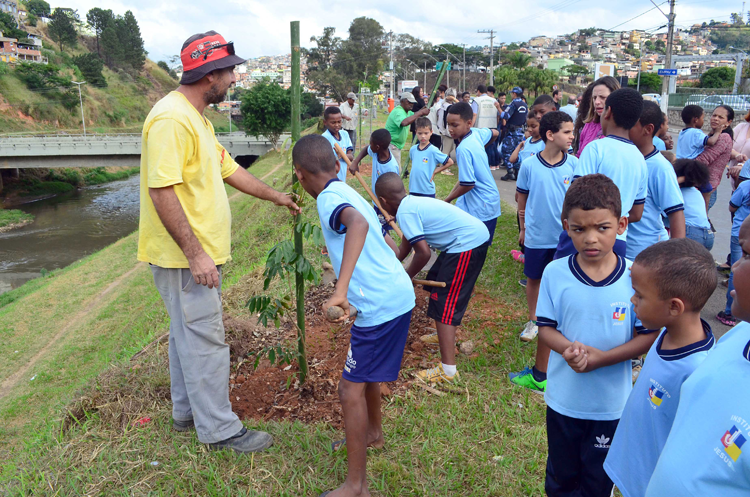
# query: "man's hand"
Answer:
x=423 y=111
x=340 y=301
x=285 y=200
x=741 y=158
x=204 y=270
x=734 y=171
x=576 y=356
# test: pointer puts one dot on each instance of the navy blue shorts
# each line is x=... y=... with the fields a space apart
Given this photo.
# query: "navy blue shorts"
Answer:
x=375 y=352
x=536 y=260
x=431 y=195
x=382 y=220
x=491 y=225
x=565 y=247
x=576 y=449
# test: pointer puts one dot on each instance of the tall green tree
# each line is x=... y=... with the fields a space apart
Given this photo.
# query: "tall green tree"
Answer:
x=323 y=68
x=718 y=77
x=111 y=48
x=650 y=82
x=99 y=20
x=363 y=53
x=62 y=27
x=91 y=67
x=265 y=109
x=537 y=80
x=506 y=77
x=38 y=8
x=129 y=33
x=9 y=26
x=517 y=60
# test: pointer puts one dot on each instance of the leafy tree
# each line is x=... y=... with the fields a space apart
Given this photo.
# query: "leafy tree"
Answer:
x=38 y=8
x=650 y=82
x=265 y=109
x=506 y=77
x=129 y=33
x=587 y=32
x=362 y=54
x=513 y=46
x=168 y=70
x=736 y=19
x=91 y=67
x=576 y=70
x=111 y=48
x=517 y=60
x=735 y=37
x=9 y=26
x=537 y=80
x=718 y=77
x=323 y=71
x=62 y=27
x=310 y=106
x=98 y=20
x=41 y=76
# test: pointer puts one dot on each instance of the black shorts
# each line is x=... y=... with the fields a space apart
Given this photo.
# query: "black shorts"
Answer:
x=459 y=272
x=536 y=260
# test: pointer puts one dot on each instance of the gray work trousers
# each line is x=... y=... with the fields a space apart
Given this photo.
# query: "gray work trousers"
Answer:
x=198 y=356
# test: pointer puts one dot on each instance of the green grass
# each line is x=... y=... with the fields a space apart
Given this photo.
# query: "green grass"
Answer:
x=14 y=216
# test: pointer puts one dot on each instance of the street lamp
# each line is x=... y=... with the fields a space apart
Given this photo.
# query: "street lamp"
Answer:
x=80 y=99
x=457 y=60
x=737 y=70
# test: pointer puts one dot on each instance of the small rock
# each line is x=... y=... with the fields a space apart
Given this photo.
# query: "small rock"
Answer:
x=520 y=406
x=33 y=378
x=467 y=347
x=240 y=380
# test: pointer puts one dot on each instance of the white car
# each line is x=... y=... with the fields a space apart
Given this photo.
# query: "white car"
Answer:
x=654 y=97
x=739 y=103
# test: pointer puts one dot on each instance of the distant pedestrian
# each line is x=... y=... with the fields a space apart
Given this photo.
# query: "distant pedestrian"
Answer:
x=486 y=112
x=571 y=109
x=398 y=123
x=447 y=143
x=350 y=116
x=466 y=97
x=419 y=103
x=185 y=235
x=588 y=126
x=515 y=117
x=557 y=97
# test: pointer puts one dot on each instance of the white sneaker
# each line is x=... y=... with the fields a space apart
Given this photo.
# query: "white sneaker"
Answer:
x=529 y=332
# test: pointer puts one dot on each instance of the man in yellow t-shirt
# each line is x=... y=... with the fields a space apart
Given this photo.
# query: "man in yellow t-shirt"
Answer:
x=185 y=233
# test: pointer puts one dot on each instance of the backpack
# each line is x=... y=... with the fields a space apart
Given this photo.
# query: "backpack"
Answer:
x=442 y=118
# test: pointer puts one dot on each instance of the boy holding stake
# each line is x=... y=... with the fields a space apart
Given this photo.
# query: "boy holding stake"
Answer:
x=332 y=120
x=427 y=160
x=585 y=317
x=462 y=240
x=373 y=280
x=672 y=280
x=383 y=161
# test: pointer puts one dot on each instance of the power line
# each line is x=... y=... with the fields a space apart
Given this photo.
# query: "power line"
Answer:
x=636 y=17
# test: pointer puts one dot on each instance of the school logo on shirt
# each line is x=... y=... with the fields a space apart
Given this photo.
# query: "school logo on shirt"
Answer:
x=425 y=160
x=620 y=313
x=655 y=395
x=350 y=362
x=732 y=442
x=566 y=180
x=602 y=442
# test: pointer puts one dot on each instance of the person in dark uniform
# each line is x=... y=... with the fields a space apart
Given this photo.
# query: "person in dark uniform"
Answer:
x=515 y=117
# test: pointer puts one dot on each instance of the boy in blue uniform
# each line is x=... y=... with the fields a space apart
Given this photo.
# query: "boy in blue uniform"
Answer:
x=663 y=190
x=425 y=159
x=462 y=241
x=672 y=280
x=383 y=162
x=332 y=121
x=476 y=189
x=530 y=146
x=739 y=205
x=542 y=183
x=616 y=157
x=362 y=260
x=585 y=316
x=692 y=141
x=707 y=452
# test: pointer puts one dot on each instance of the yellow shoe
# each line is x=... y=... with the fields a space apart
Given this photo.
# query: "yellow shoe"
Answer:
x=435 y=375
x=431 y=339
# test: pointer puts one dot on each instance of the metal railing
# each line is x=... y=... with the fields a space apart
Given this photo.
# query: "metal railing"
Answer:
x=709 y=100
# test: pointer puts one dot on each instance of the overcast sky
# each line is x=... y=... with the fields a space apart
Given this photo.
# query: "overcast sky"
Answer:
x=262 y=27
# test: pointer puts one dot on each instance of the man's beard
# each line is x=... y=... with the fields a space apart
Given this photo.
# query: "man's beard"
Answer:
x=214 y=95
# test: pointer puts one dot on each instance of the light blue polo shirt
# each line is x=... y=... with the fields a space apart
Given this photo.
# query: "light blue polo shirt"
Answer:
x=346 y=145
x=598 y=314
x=530 y=148
x=707 y=452
x=621 y=161
x=659 y=144
x=663 y=196
x=741 y=200
x=690 y=143
x=379 y=168
x=376 y=303
x=650 y=411
x=695 y=208
x=423 y=164
x=546 y=185
x=444 y=226
x=482 y=201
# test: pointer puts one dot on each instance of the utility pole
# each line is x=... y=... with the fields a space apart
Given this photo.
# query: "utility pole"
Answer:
x=668 y=55
x=393 y=77
x=80 y=99
x=492 y=53
x=464 y=64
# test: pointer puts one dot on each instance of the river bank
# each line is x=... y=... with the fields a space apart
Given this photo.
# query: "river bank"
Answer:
x=13 y=218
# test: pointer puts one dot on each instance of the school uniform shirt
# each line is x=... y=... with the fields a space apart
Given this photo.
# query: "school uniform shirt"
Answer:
x=346 y=145
x=659 y=144
x=379 y=168
x=663 y=196
x=423 y=164
x=690 y=143
x=598 y=314
x=740 y=200
x=442 y=225
x=695 y=208
x=650 y=411
x=530 y=148
x=376 y=303
x=546 y=185
x=482 y=201
x=707 y=453
x=621 y=161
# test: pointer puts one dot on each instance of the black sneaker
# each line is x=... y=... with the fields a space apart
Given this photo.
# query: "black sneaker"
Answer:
x=245 y=441
x=183 y=425
x=522 y=282
x=509 y=176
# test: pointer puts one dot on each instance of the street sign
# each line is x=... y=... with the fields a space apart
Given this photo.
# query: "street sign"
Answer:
x=554 y=87
x=439 y=65
x=667 y=72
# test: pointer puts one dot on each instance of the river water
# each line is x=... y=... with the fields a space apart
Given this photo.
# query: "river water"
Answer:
x=66 y=228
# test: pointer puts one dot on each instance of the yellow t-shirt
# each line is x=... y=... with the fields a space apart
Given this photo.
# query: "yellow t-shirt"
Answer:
x=179 y=149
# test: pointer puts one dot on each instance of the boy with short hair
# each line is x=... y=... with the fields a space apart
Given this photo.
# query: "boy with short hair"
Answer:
x=672 y=280
x=362 y=261
x=692 y=140
x=542 y=183
x=383 y=161
x=427 y=160
x=619 y=159
x=333 y=122
x=532 y=145
x=585 y=317
x=703 y=454
x=476 y=189
x=663 y=190
x=462 y=241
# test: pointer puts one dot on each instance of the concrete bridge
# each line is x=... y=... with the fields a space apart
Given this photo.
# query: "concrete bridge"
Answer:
x=22 y=152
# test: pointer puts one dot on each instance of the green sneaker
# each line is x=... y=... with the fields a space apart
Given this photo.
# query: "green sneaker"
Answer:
x=525 y=378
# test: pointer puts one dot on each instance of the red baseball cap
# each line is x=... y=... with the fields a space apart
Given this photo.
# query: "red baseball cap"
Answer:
x=206 y=52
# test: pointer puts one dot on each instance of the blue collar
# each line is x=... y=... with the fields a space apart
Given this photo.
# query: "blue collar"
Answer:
x=651 y=154
x=390 y=156
x=584 y=278
x=682 y=352
x=547 y=164
x=458 y=141
x=334 y=136
x=746 y=352
x=618 y=138
x=423 y=149
x=330 y=181
x=531 y=141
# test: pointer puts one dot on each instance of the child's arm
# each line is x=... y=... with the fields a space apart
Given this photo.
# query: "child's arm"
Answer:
x=355 y=163
x=677 y=224
x=495 y=134
x=715 y=135
x=421 y=257
x=514 y=156
x=634 y=347
x=574 y=353
x=457 y=191
x=441 y=169
x=354 y=242
x=635 y=214
x=522 y=198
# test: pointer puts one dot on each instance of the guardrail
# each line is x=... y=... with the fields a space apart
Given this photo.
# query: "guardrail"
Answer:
x=740 y=103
